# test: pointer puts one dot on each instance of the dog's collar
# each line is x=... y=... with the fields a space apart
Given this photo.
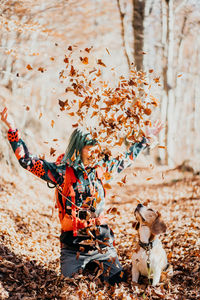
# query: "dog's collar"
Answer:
x=146 y=246
x=149 y=245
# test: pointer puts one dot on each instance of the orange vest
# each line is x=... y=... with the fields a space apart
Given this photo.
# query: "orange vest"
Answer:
x=72 y=222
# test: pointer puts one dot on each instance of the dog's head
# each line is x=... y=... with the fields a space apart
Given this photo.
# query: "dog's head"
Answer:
x=148 y=217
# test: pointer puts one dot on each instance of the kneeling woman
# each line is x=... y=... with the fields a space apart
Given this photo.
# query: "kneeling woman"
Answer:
x=85 y=236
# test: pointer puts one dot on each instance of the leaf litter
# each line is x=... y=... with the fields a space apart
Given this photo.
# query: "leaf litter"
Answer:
x=29 y=233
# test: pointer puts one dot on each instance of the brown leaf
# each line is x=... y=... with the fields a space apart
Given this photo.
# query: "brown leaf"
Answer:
x=99 y=62
x=84 y=60
x=29 y=67
x=157 y=79
x=66 y=60
x=107 y=186
x=88 y=49
x=147 y=111
x=41 y=69
x=107 y=51
x=124 y=179
x=107 y=176
x=52 y=151
x=72 y=71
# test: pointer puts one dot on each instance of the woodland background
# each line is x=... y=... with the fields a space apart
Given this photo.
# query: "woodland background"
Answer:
x=163 y=35
x=154 y=34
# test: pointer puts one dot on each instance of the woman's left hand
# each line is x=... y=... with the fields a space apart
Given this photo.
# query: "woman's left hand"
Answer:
x=153 y=130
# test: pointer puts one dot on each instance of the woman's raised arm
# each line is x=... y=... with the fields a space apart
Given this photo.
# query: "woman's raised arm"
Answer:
x=47 y=171
x=118 y=165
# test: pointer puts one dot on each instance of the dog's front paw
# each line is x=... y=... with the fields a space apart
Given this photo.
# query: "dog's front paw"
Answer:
x=135 y=274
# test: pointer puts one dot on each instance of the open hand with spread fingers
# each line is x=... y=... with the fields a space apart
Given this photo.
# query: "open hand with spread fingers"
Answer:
x=7 y=119
x=153 y=130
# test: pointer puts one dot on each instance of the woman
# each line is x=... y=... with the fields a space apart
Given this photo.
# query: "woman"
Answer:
x=85 y=236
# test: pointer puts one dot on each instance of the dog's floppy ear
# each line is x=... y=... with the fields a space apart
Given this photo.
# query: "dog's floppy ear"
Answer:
x=136 y=225
x=158 y=226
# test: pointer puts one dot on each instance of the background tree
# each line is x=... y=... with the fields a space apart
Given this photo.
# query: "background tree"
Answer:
x=154 y=34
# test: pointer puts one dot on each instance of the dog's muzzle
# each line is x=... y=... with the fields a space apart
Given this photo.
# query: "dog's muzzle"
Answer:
x=139 y=206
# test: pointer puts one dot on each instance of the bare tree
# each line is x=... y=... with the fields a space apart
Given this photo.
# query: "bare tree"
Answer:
x=138 y=27
x=121 y=7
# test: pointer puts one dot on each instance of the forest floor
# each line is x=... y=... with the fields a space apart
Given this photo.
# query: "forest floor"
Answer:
x=29 y=237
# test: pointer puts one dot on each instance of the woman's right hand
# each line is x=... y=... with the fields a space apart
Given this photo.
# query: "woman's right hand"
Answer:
x=7 y=119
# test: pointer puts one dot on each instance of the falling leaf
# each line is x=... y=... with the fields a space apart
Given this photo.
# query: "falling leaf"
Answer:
x=62 y=104
x=98 y=73
x=107 y=176
x=120 y=142
x=149 y=178
x=147 y=111
x=124 y=179
x=52 y=123
x=121 y=274
x=107 y=51
x=72 y=71
x=157 y=79
x=66 y=60
x=162 y=147
x=99 y=62
x=107 y=186
x=88 y=49
x=41 y=69
x=29 y=67
x=52 y=151
x=84 y=60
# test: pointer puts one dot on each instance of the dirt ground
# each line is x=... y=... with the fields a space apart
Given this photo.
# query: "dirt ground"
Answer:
x=29 y=237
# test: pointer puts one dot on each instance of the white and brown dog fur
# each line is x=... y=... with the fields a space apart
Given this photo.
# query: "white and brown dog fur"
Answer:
x=150 y=258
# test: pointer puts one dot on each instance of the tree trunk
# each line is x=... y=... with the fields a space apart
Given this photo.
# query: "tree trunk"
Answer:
x=122 y=16
x=163 y=154
x=138 y=28
x=170 y=86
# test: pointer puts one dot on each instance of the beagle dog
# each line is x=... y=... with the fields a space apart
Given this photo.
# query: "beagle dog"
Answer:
x=150 y=258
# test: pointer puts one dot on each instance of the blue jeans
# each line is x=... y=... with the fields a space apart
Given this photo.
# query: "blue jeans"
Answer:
x=112 y=268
